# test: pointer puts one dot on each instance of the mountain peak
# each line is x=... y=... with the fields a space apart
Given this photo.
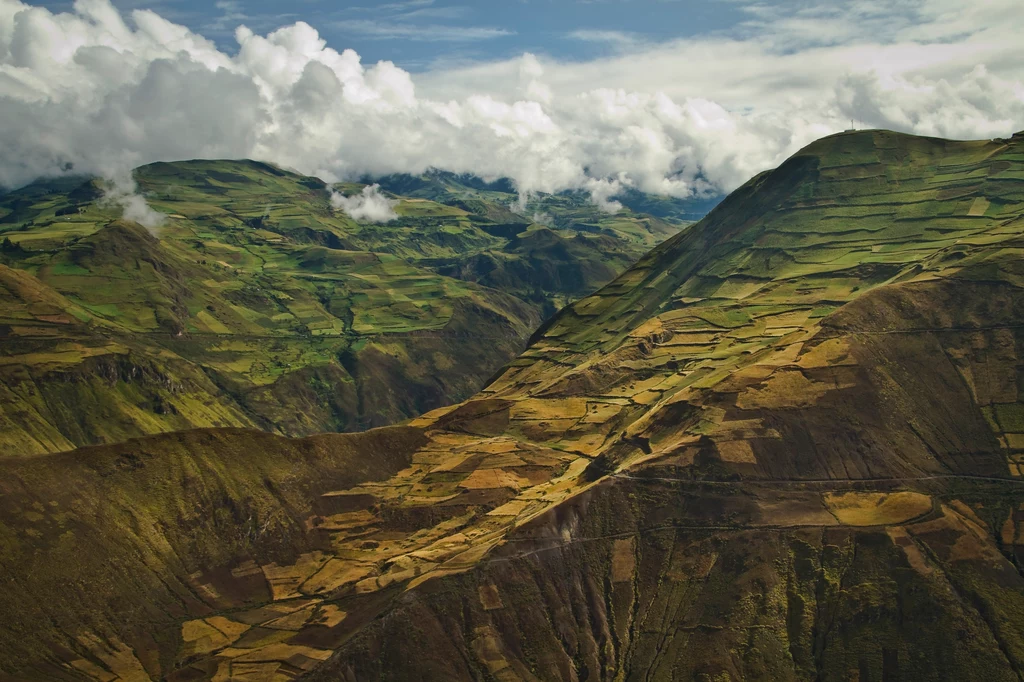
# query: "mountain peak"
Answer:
x=846 y=206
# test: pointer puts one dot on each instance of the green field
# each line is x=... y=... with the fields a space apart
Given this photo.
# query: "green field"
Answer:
x=256 y=304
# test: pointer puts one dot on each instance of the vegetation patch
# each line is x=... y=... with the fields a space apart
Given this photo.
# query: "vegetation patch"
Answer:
x=877 y=509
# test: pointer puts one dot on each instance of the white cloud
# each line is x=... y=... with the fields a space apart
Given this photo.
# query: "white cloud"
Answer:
x=602 y=191
x=369 y=206
x=390 y=30
x=91 y=88
x=619 y=39
x=231 y=15
x=122 y=191
x=392 y=7
x=545 y=219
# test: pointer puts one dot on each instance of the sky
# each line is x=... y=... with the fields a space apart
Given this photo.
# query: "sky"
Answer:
x=672 y=97
x=421 y=34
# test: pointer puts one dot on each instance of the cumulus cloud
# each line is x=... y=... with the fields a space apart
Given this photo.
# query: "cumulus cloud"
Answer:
x=369 y=206
x=106 y=92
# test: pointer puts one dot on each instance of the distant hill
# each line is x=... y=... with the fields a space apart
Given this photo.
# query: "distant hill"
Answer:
x=447 y=187
x=257 y=305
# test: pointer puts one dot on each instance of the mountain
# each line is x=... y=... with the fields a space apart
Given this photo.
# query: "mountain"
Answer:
x=785 y=445
x=257 y=305
x=563 y=208
x=543 y=260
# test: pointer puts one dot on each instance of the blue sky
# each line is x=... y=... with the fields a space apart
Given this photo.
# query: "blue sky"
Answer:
x=417 y=34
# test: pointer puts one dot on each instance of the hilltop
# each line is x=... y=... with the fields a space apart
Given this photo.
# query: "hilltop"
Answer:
x=786 y=444
x=256 y=304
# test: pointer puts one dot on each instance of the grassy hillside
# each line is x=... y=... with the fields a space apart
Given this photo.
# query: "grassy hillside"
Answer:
x=785 y=445
x=257 y=305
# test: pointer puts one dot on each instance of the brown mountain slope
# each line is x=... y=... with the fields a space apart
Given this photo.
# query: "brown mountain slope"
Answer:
x=786 y=445
x=858 y=522
x=162 y=518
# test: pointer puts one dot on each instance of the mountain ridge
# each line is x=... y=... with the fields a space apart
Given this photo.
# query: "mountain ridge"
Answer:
x=787 y=444
x=261 y=306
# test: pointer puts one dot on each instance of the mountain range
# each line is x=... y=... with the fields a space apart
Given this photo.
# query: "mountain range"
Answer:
x=258 y=304
x=785 y=444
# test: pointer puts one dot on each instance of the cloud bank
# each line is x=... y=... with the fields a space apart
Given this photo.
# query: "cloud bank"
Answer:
x=104 y=92
x=369 y=206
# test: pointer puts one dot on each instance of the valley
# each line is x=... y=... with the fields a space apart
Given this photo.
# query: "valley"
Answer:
x=257 y=304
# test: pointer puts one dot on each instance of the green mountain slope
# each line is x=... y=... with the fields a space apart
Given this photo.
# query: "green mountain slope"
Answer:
x=257 y=305
x=785 y=445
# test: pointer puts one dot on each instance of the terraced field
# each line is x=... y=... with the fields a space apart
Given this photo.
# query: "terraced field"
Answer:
x=258 y=305
x=784 y=445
